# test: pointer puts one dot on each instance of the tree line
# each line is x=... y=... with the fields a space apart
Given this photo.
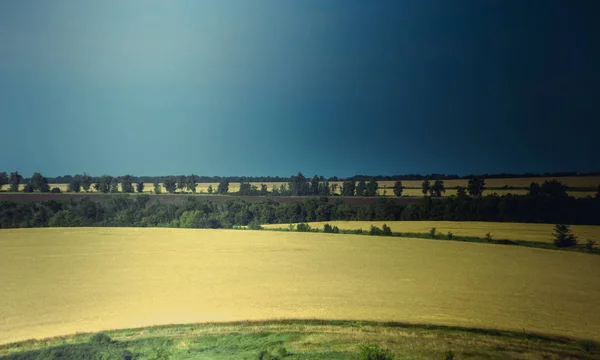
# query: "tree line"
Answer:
x=142 y=211
x=66 y=179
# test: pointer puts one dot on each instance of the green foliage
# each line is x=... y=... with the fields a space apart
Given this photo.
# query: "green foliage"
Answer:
x=114 y=185
x=299 y=186
x=461 y=192
x=348 y=188
x=86 y=182
x=139 y=187
x=398 y=188
x=432 y=232
x=157 y=187
x=223 y=187
x=103 y=183
x=170 y=185
x=372 y=187
x=190 y=183
x=449 y=355
x=263 y=190
x=361 y=188
x=488 y=237
x=425 y=187
x=476 y=186
x=386 y=230
x=375 y=231
x=534 y=189
x=255 y=225
x=14 y=181
x=450 y=235
x=39 y=183
x=55 y=190
x=437 y=188
x=126 y=184
x=314 y=186
x=303 y=227
x=563 y=236
x=327 y=228
x=554 y=189
x=100 y=339
x=3 y=179
x=210 y=189
x=28 y=188
x=374 y=352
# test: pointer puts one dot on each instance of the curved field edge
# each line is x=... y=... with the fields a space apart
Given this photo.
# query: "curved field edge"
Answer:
x=304 y=339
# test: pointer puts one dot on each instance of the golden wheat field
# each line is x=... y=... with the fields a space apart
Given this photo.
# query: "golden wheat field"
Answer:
x=498 y=230
x=57 y=281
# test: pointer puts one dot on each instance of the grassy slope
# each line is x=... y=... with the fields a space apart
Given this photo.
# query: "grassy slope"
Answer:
x=306 y=339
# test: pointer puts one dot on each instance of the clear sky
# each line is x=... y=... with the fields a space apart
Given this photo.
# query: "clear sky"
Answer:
x=332 y=87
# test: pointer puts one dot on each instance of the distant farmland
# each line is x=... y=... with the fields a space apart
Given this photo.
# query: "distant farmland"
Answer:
x=580 y=186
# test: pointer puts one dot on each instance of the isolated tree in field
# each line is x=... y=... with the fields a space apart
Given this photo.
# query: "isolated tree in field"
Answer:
x=263 y=189
x=14 y=181
x=314 y=186
x=425 y=187
x=86 y=182
x=39 y=183
x=181 y=182
x=170 y=184
x=75 y=184
x=283 y=190
x=398 y=188
x=245 y=188
x=223 y=187
x=139 y=187
x=554 y=189
x=103 y=184
x=114 y=185
x=157 y=187
x=348 y=188
x=274 y=190
x=126 y=184
x=437 y=188
x=298 y=185
x=3 y=179
x=476 y=186
x=361 y=188
x=534 y=189
x=563 y=236
x=191 y=183
x=461 y=192
x=210 y=189
x=371 y=189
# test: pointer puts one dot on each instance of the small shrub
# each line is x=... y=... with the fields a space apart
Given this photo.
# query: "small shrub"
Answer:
x=282 y=352
x=100 y=339
x=28 y=188
x=55 y=190
x=303 y=227
x=589 y=245
x=374 y=352
x=291 y=227
x=386 y=230
x=254 y=225
x=327 y=228
x=335 y=230
x=488 y=237
x=563 y=237
x=375 y=231
x=358 y=231
x=450 y=235
x=432 y=232
x=449 y=355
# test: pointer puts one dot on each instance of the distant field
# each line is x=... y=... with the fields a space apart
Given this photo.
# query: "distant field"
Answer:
x=57 y=281
x=413 y=187
x=499 y=230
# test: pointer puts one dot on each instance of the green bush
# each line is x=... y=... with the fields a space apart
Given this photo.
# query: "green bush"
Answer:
x=335 y=230
x=254 y=225
x=327 y=228
x=358 y=231
x=375 y=231
x=563 y=237
x=450 y=235
x=100 y=339
x=55 y=190
x=386 y=230
x=374 y=352
x=449 y=355
x=303 y=227
x=432 y=232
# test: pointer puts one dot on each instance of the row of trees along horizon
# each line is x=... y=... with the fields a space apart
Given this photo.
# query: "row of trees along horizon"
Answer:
x=297 y=185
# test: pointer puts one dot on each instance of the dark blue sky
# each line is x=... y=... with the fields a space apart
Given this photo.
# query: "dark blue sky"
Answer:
x=275 y=87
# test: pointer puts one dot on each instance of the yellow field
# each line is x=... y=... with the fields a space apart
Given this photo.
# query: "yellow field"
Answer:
x=506 y=231
x=56 y=281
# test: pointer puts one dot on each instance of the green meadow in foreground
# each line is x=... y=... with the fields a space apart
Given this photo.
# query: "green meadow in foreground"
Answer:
x=303 y=339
